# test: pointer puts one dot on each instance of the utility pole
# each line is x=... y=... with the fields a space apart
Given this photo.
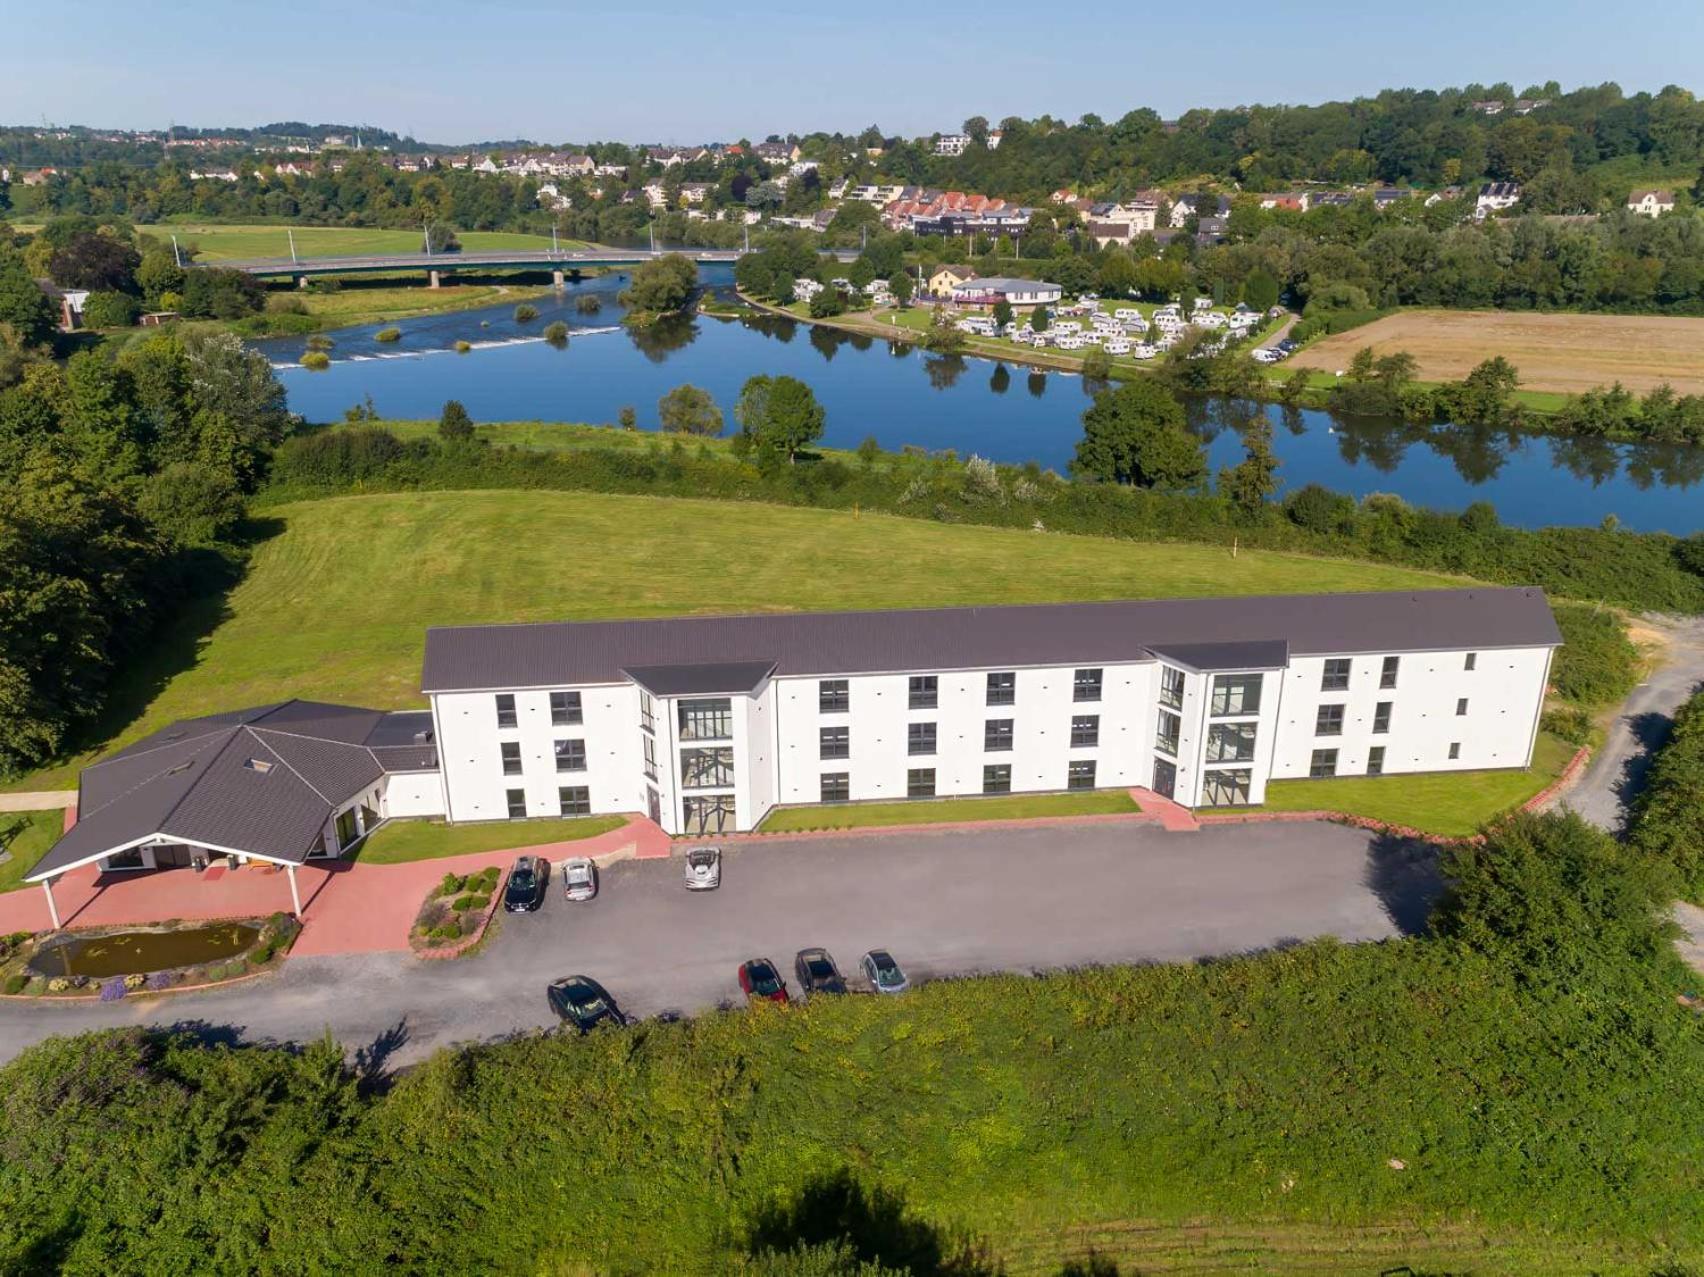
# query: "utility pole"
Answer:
x=553 y=239
x=426 y=233
x=177 y=255
x=652 y=227
x=292 y=235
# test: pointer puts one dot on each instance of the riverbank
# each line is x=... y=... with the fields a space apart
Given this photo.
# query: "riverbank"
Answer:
x=289 y=312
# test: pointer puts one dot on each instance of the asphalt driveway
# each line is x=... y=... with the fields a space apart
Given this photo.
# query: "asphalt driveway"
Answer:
x=944 y=904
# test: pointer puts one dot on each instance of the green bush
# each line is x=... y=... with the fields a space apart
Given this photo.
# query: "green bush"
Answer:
x=1569 y=722
x=1598 y=663
x=388 y=335
x=110 y=310
x=451 y=884
x=463 y=903
x=446 y=931
x=319 y=341
x=525 y=313
x=556 y=333
x=588 y=303
x=462 y=347
x=1667 y=825
x=317 y=360
x=15 y=982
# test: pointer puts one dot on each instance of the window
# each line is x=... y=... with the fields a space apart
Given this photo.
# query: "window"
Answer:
x=565 y=709
x=1171 y=687
x=505 y=709
x=836 y=742
x=834 y=696
x=707 y=768
x=920 y=738
x=1003 y=688
x=711 y=719
x=1225 y=789
x=1086 y=685
x=707 y=813
x=574 y=800
x=647 y=713
x=1322 y=764
x=836 y=787
x=570 y=755
x=650 y=757
x=1387 y=675
x=517 y=803
x=1375 y=761
x=920 y=782
x=997 y=778
x=1381 y=717
x=1455 y=749
x=997 y=733
x=1085 y=731
x=1080 y=774
x=1461 y=707
x=1329 y=721
x=1336 y=676
x=1230 y=743
x=1471 y=662
x=511 y=758
x=1166 y=735
x=1236 y=694
x=925 y=691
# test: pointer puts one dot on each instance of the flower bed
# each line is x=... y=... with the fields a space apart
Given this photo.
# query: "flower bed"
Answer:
x=273 y=939
x=454 y=915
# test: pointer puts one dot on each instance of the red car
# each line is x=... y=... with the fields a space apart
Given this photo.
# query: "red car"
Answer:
x=761 y=982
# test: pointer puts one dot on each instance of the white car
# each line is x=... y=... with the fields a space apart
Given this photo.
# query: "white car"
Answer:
x=579 y=878
x=704 y=869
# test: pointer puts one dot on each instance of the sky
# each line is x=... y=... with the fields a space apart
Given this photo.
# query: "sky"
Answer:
x=673 y=72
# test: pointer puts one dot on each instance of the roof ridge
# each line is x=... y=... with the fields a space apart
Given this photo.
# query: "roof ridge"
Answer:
x=291 y=766
x=125 y=754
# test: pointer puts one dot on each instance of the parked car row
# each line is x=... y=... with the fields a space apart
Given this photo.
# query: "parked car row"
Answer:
x=816 y=972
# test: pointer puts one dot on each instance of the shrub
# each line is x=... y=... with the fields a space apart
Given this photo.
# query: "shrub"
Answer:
x=525 y=313
x=15 y=982
x=388 y=334
x=114 y=988
x=462 y=347
x=111 y=310
x=1598 y=663
x=1668 y=817
x=135 y=980
x=556 y=333
x=319 y=341
x=158 y=980
x=463 y=903
x=451 y=884
x=588 y=303
x=488 y=876
x=317 y=360
x=59 y=984
x=1569 y=722
x=448 y=931
x=285 y=304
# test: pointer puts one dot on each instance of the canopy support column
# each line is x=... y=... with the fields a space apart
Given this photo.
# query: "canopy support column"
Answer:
x=295 y=895
x=52 y=908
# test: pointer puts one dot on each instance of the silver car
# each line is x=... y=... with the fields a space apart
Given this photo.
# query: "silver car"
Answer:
x=579 y=878
x=704 y=869
x=883 y=972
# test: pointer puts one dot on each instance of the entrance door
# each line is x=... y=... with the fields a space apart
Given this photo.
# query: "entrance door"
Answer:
x=653 y=806
x=173 y=855
x=1165 y=778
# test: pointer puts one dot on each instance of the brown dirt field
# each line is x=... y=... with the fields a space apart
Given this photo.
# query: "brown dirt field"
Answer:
x=1553 y=352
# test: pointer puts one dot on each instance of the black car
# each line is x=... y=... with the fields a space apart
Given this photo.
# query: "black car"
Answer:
x=527 y=883
x=817 y=972
x=583 y=1002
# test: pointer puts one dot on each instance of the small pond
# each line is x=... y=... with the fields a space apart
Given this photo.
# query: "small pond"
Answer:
x=139 y=952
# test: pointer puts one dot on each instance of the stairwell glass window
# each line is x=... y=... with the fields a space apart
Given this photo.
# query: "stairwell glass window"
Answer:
x=1230 y=742
x=1168 y=731
x=1323 y=764
x=1225 y=788
x=517 y=799
x=836 y=787
x=1086 y=685
x=1236 y=695
x=1085 y=731
x=1381 y=717
x=920 y=738
x=920 y=782
x=1080 y=774
x=925 y=691
x=511 y=758
x=835 y=742
x=997 y=778
x=565 y=709
x=1375 y=760
x=1329 y=721
x=1336 y=676
x=1461 y=707
x=570 y=755
x=1387 y=674
x=1171 y=687
x=710 y=718
x=834 y=696
x=505 y=709
x=647 y=712
x=1003 y=688
x=650 y=757
x=707 y=768
x=574 y=800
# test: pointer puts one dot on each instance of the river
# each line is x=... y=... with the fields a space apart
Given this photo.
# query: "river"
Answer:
x=904 y=396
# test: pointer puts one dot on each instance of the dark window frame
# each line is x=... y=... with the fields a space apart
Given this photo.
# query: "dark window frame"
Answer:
x=1080 y=773
x=1322 y=765
x=510 y=752
x=920 y=782
x=998 y=734
x=516 y=798
x=924 y=691
x=1389 y=672
x=1085 y=731
x=834 y=742
x=922 y=739
x=1234 y=690
x=707 y=767
x=1334 y=676
x=1375 y=760
x=996 y=778
x=1168 y=744
x=1382 y=712
x=1212 y=780
x=695 y=714
x=834 y=696
x=1002 y=687
x=835 y=787
x=507 y=717
x=577 y=806
x=1173 y=684
x=1241 y=736
x=566 y=709
x=1328 y=720
x=1086 y=685
x=575 y=757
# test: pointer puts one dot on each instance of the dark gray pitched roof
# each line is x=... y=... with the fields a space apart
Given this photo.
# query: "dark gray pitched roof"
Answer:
x=568 y=654
x=1259 y=654
x=262 y=780
x=723 y=677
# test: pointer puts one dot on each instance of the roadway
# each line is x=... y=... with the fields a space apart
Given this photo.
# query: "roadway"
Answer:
x=521 y=259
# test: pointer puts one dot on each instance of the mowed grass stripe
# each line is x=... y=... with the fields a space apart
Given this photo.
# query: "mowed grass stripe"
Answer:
x=336 y=604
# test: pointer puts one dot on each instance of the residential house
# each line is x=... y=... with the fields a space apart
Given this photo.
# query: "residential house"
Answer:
x=1290 y=201
x=947 y=278
x=1650 y=203
x=1014 y=292
x=1526 y=106
x=1490 y=106
x=1385 y=196
x=952 y=143
x=777 y=152
x=837 y=189
x=1496 y=196
x=696 y=192
x=995 y=137
x=1439 y=196
x=1196 y=205
x=653 y=191
x=213 y=174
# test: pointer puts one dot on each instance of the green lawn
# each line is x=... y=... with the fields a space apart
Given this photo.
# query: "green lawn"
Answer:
x=1009 y=807
x=400 y=841
x=368 y=305
x=26 y=834
x=221 y=242
x=1448 y=803
x=337 y=600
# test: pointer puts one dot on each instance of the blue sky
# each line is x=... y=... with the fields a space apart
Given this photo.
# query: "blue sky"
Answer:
x=667 y=71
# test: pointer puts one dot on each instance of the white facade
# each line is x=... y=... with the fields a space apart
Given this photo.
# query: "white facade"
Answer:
x=1204 y=737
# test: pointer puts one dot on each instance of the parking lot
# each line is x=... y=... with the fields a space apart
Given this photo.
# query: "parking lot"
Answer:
x=944 y=904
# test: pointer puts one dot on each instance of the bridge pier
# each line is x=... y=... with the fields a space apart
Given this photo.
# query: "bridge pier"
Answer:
x=301 y=281
x=432 y=279
x=556 y=280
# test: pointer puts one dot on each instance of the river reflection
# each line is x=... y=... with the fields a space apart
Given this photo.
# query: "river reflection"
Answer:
x=905 y=396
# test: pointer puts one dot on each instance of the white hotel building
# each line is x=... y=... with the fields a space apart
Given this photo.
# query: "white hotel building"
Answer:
x=705 y=723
